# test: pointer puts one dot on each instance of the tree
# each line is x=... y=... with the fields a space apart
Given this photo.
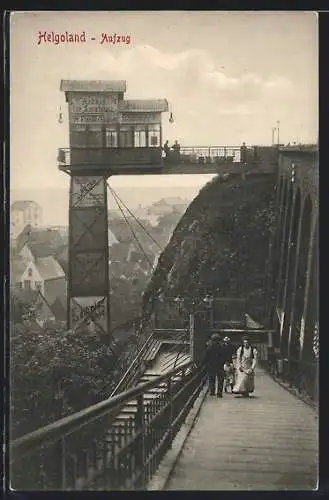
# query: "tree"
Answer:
x=55 y=373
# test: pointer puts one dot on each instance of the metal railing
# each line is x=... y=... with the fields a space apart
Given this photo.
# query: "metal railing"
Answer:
x=210 y=154
x=135 y=369
x=97 y=450
x=299 y=374
x=187 y=154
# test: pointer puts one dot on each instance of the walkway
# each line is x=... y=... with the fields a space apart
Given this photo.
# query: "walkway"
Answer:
x=267 y=442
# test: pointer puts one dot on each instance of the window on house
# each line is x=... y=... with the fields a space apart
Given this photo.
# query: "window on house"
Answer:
x=19 y=285
x=111 y=137
x=154 y=135
x=140 y=136
x=27 y=285
x=38 y=285
x=29 y=272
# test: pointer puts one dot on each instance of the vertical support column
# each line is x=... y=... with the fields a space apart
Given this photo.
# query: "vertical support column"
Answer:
x=310 y=316
x=286 y=269
x=192 y=329
x=283 y=244
x=293 y=283
x=88 y=275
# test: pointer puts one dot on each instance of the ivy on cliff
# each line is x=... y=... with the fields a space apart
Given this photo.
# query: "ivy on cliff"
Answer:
x=221 y=244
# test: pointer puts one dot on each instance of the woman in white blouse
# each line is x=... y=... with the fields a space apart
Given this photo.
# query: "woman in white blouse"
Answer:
x=245 y=366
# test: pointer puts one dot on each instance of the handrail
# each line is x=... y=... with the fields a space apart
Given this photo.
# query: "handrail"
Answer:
x=220 y=146
x=67 y=425
x=132 y=364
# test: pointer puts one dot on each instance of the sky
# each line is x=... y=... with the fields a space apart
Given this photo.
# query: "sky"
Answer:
x=228 y=77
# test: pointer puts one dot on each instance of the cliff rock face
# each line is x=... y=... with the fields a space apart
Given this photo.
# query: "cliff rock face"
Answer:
x=220 y=245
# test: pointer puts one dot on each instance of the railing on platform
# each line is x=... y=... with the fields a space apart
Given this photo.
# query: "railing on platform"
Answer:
x=148 y=156
x=210 y=154
x=299 y=374
x=93 y=450
x=108 y=156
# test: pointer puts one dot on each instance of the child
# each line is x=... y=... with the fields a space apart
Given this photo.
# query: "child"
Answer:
x=229 y=376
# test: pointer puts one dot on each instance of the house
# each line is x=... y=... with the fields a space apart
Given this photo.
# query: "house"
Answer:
x=119 y=252
x=120 y=230
x=112 y=238
x=43 y=274
x=63 y=231
x=18 y=266
x=34 y=243
x=23 y=213
x=168 y=205
x=53 y=278
x=62 y=257
x=30 y=305
x=62 y=253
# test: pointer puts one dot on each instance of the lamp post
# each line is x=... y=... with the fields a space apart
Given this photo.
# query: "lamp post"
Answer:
x=273 y=135
x=209 y=300
x=278 y=127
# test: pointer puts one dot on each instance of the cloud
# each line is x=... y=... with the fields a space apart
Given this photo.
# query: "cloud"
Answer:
x=238 y=110
x=211 y=104
x=186 y=76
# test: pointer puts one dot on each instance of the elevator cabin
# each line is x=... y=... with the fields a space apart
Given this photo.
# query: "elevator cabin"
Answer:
x=105 y=128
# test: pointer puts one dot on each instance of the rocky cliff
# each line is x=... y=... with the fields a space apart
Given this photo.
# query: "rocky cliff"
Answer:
x=221 y=244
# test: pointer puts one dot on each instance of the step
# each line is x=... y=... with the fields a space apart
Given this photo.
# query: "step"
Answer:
x=128 y=411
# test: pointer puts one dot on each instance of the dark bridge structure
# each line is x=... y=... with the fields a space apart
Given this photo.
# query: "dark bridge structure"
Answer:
x=137 y=438
x=294 y=280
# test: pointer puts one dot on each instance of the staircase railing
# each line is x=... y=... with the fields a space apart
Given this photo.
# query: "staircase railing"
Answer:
x=95 y=449
x=134 y=370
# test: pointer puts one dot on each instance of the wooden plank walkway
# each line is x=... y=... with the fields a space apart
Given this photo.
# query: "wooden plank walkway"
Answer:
x=267 y=442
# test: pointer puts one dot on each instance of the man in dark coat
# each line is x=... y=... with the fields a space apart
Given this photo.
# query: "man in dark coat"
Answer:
x=214 y=361
x=166 y=149
x=229 y=350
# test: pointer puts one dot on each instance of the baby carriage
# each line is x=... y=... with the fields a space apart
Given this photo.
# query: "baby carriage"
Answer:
x=229 y=377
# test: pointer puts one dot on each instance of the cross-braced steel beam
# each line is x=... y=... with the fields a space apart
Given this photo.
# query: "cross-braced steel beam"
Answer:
x=88 y=273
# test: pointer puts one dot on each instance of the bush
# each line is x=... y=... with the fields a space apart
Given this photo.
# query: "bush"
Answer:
x=55 y=373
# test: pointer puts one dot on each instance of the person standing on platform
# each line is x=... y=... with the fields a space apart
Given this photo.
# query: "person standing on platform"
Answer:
x=214 y=361
x=166 y=150
x=243 y=154
x=176 y=150
x=246 y=360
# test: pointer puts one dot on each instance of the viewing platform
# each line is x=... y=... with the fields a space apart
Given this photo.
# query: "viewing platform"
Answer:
x=151 y=160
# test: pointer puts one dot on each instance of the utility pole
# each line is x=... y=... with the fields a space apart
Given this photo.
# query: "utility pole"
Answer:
x=278 y=127
x=273 y=135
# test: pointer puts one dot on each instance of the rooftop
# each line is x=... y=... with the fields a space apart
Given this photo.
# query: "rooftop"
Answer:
x=55 y=288
x=144 y=105
x=42 y=242
x=93 y=86
x=49 y=268
x=23 y=204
